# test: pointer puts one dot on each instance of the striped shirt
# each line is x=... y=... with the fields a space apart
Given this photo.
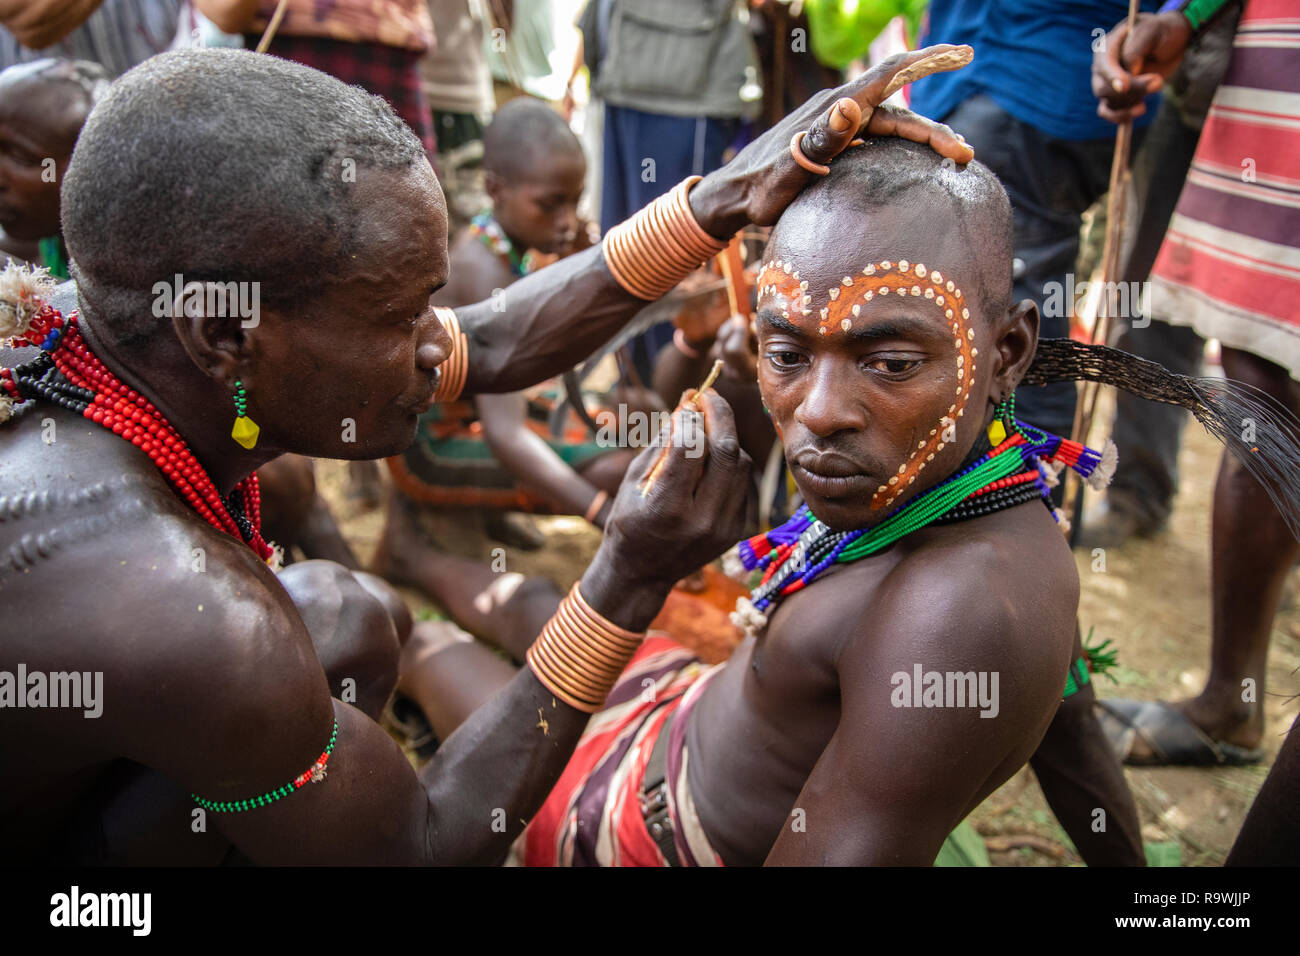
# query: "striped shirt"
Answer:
x=1230 y=263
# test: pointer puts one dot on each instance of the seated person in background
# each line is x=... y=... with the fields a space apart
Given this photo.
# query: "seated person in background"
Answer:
x=43 y=105
x=497 y=452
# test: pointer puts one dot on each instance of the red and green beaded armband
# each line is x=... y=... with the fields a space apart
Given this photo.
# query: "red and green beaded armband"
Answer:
x=313 y=774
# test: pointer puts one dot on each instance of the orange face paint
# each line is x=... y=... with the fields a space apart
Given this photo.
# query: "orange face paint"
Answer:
x=843 y=306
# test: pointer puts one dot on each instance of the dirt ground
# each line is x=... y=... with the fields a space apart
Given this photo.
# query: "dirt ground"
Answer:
x=1151 y=601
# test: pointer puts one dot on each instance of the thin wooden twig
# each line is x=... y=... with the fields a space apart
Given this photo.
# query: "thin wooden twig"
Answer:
x=653 y=475
x=271 y=27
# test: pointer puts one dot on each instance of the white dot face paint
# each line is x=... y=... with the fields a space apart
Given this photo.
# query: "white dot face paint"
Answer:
x=836 y=314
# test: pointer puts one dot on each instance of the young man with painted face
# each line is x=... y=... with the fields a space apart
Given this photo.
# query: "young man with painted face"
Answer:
x=887 y=340
x=133 y=553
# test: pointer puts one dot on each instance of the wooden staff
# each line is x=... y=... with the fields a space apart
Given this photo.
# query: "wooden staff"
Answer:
x=1110 y=271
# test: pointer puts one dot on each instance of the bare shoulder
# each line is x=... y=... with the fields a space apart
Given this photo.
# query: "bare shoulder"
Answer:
x=105 y=569
x=1008 y=569
x=951 y=659
x=998 y=594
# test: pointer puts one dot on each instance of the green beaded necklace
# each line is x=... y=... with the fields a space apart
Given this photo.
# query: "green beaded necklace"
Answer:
x=794 y=555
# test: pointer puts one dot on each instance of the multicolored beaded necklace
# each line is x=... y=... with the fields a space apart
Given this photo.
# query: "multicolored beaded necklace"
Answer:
x=485 y=227
x=68 y=374
x=1012 y=472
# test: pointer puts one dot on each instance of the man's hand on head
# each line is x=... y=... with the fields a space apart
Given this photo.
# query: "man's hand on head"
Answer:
x=1131 y=66
x=762 y=180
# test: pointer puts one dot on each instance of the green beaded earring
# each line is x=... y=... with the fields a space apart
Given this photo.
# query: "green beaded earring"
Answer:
x=245 y=431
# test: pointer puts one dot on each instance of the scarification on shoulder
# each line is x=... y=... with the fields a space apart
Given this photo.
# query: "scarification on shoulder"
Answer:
x=36 y=525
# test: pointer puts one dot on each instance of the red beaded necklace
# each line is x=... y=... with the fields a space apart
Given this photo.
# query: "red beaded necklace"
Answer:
x=105 y=399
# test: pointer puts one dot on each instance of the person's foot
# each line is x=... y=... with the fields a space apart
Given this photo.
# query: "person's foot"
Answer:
x=1184 y=733
x=1105 y=526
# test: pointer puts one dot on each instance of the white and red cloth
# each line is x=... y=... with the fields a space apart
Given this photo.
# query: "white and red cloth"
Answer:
x=1230 y=263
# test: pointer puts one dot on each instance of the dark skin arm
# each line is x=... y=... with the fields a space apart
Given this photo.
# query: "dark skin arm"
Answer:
x=529 y=457
x=571 y=308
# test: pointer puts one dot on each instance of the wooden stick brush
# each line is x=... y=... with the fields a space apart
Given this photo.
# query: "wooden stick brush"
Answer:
x=688 y=399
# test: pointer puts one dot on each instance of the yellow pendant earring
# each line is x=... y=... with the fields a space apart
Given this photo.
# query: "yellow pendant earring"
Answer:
x=245 y=431
x=997 y=430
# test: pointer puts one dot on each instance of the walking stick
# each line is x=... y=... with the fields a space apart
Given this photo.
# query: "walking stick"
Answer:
x=1110 y=270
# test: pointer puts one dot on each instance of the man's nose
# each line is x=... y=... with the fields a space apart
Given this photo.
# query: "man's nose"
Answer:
x=435 y=347
x=827 y=406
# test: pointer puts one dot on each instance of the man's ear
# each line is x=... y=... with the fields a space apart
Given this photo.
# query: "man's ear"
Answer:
x=1016 y=343
x=493 y=186
x=215 y=339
